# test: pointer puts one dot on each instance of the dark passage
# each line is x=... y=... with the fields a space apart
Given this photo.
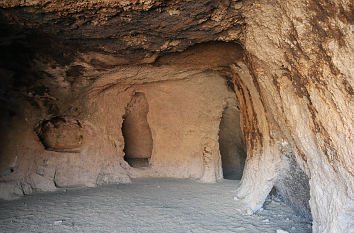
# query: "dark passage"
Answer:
x=231 y=143
x=136 y=132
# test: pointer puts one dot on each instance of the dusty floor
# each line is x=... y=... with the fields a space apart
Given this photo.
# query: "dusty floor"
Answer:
x=146 y=205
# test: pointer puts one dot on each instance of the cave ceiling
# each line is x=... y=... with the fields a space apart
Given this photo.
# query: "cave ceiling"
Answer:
x=127 y=32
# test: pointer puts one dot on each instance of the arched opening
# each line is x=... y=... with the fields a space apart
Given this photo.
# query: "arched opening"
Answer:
x=231 y=143
x=136 y=132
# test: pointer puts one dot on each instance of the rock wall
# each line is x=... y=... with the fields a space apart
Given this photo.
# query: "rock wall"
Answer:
x=301 y=72
x=62 y=152
x=60 y=135
x=184 y=127
x=77 y=61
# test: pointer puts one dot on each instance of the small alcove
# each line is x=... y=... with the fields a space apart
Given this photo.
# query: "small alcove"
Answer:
x=136 y=132
x=231 y=143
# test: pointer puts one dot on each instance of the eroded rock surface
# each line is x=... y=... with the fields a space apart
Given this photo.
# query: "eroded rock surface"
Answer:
x=84 y=60
x=131 y=111
x=61 y=135
x=299 y=54
x=125 y=32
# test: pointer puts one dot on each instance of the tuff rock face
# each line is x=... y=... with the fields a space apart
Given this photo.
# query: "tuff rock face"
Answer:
x=288 y=64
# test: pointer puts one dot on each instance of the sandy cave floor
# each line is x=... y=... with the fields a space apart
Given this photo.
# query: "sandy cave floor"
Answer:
x=146 y=205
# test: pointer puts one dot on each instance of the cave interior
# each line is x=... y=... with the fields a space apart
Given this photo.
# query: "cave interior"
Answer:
x=106 y=92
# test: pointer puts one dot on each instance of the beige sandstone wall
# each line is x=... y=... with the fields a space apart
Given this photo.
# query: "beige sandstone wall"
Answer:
x=184 y=131
x=184 y=127
x=299 y=57
x=295 y=87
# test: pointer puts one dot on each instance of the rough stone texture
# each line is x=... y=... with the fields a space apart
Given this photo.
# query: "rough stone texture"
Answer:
x=184 y=130
x=294 y=85
x=61 y=135
x=300 y=54
x=293 y=186
x=130 y=31
x=263 y=149
x=184 y=127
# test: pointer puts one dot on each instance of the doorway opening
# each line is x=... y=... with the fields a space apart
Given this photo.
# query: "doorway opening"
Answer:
x=136 y=132
x=231 y=143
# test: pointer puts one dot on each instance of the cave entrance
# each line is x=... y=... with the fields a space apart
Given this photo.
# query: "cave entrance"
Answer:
x=136 y=132
x=231 y=143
